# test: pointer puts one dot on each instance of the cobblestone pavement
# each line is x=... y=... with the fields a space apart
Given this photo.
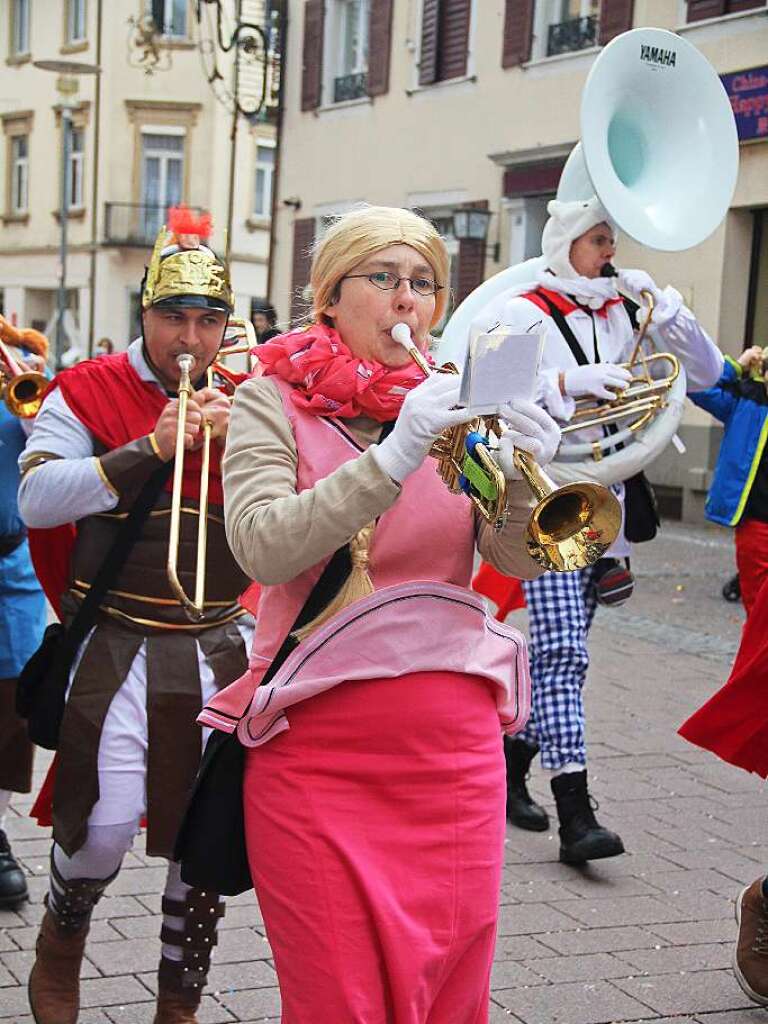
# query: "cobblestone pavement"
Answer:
x=643 y=937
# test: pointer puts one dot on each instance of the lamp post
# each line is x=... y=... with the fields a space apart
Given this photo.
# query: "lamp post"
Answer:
x=471 y=225
x=67 y=87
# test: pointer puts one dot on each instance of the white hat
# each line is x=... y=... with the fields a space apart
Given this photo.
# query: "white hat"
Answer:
x=567 y=222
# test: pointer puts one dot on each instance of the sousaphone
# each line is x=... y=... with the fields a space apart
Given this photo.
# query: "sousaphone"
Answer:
x=659 y=149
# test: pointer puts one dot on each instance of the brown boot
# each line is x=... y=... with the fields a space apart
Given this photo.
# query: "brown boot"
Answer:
x=750 y=960
x=180 y=983
x=54 y=982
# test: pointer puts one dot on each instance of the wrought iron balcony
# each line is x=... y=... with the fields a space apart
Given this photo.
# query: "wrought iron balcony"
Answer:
x=134 y=223
x=350 y=87
x=576 y=34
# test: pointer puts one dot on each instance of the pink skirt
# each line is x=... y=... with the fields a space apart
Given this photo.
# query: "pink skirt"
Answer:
x=375 y=830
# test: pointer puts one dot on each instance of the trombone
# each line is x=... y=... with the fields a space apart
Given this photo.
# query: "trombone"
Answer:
x=195 y=606
x=22 y=390
x=570 y=527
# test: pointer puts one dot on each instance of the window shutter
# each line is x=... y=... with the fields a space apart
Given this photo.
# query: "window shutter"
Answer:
x=453 y=38
x=744 y=5
x=698 y=10
x=312 y=68
x=471 y=272
x=430 y=23
x=379 y=46
x=615 y=18
x=518 y=32
x=303 y=237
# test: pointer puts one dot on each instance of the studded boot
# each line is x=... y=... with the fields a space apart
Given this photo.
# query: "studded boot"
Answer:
x=582 y=837
x=180 y=983
x=522 y=809
x=54 y=982
x=13 y=884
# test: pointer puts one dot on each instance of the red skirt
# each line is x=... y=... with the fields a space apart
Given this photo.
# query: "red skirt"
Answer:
x=375 y=830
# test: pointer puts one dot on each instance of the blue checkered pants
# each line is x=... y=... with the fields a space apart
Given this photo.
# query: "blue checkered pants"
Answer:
x=561 y=606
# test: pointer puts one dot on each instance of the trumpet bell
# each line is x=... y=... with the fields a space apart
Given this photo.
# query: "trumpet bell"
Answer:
x=573 y=527
x=659 y=142
x=24 y=394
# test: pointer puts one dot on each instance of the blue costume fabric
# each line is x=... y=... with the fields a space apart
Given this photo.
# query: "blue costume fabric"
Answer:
x=22 y=604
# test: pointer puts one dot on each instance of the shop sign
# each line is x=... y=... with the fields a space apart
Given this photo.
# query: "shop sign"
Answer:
x=748 y=93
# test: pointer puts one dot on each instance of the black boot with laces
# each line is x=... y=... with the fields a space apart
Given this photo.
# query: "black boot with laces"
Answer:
x=522 y=809
x=582 y=837
x=13 y=883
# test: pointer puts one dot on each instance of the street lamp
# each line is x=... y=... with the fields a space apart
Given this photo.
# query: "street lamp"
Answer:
x=67 y=86
x=471 y=225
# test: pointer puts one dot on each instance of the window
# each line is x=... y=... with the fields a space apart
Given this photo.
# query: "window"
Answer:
x=352 y=55
x=444 y=50
x=265 y=169
x=76 y=21
x=75 y=168
x=563 y=26
x=19 y=174
x=19 y=27
x=170 y=16
x=700 y=10
x=162 y=177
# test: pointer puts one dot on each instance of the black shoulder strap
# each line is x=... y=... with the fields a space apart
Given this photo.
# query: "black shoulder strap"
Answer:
x=117 y=555
x=576 y=350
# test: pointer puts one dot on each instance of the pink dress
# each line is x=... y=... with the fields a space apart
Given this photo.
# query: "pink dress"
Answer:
x=375 y=784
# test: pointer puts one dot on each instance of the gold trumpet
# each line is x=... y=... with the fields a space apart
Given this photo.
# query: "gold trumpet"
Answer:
x=570 y=527
x=195 y=606
x=22 y=390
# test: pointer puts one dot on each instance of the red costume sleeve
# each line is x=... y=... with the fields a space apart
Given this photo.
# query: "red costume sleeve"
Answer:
x=505 y=591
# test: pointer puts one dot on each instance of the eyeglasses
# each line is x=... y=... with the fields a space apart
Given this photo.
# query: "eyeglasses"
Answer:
x=387 y=282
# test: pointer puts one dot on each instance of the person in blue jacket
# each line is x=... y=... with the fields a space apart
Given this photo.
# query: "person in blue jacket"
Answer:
x=22 y=621
x=738 y=496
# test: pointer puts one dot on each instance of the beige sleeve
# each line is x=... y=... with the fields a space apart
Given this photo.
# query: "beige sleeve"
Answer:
x=275 y=533
x=505 y=549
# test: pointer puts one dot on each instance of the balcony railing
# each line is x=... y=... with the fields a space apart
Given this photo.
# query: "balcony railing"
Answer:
x=576 y=34
x=134 y=223
x=350 y=87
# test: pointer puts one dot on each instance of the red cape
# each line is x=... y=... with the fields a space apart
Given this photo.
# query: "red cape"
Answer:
x=734 y=723
x=505 y=591
x=117 y=406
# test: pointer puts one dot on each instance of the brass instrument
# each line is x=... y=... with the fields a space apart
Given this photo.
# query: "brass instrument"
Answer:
x=643 y=399
x=570 y=527
x=22 y=390
x=195 y=607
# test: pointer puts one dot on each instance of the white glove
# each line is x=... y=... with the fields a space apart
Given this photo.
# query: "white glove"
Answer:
x=634 y=282
x=596 y=379
x=427 y=411
x=529 y=428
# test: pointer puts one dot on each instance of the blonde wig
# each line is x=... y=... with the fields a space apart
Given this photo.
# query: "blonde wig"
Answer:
x=365 y=230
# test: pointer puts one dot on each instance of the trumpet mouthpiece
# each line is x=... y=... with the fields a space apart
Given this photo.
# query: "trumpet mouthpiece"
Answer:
x=401 y=333
x=185 y=361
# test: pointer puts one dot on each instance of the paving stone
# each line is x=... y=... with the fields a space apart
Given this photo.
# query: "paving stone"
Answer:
x=693 y=933
x=692 y=993
x=512 y=974
x=234 y=976
x=101 y=992
x=519 y=947
x=674 y=959
x=210 y=1012
x=532 y=918
x=624 y=910
x=129 y=956
x=600 y=940
x=589 y=1003
x=20 y=964
x=258 y=1002
x=752 y=1016
x=589 y=967
x=139 y=881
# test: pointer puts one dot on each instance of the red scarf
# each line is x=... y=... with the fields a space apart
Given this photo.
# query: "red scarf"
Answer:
x=331 y=381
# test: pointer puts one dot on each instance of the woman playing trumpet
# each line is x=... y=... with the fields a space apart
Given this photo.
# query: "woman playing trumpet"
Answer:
x=374 y=780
